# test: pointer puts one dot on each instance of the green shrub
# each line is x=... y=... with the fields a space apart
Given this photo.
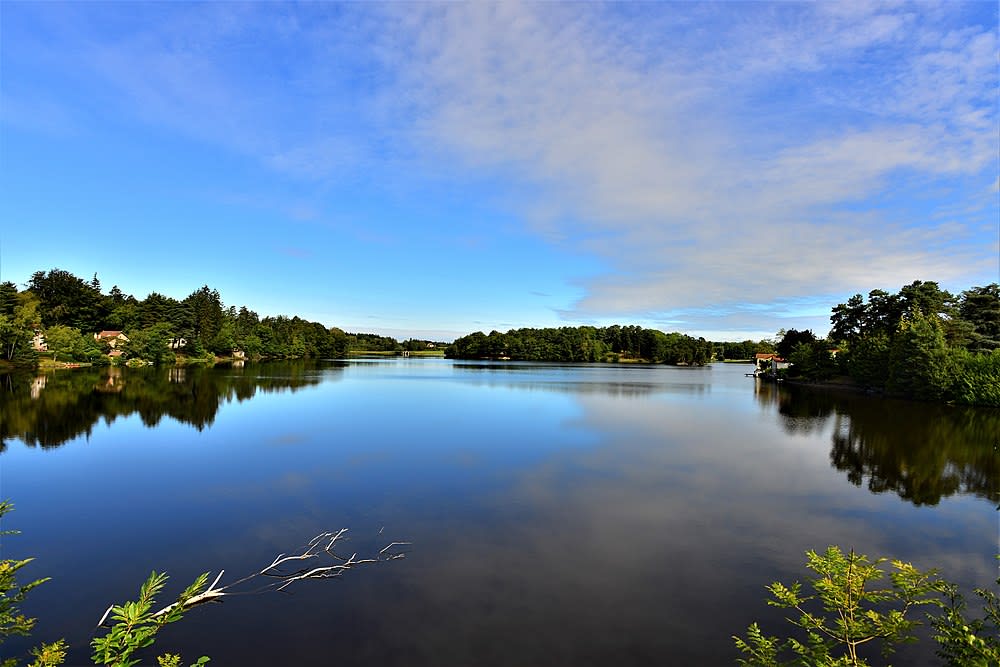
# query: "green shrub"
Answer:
x=977 y=378
x=850 y=605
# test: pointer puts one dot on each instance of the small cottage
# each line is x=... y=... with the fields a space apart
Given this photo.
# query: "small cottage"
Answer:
x=112 y=338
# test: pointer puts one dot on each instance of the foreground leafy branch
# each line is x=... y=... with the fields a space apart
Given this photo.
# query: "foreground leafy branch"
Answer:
x=12 y=621
x=963 y=641
x=851 y=606
x=132 y=626
x=318 y=547
x=135 y=625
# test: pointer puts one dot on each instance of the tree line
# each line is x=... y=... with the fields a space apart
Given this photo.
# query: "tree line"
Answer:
x=742 y=351
x=921 y=342
x=584 y=344
x=67 y=311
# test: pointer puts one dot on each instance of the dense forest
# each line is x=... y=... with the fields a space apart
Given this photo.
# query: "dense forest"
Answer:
x=65 y=312
x=614 y=343
x=921 y=342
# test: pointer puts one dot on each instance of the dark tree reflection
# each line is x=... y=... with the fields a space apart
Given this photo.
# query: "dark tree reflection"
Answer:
x=51 y=409
x=922 y=452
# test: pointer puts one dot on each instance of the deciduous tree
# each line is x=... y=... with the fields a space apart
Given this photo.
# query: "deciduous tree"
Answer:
x=980 y=307
x=919 y=362
x=791 y=338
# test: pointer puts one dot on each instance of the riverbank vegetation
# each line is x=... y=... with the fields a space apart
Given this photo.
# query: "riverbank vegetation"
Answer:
x=57 y=316
x=851 y=614
x=921 y=343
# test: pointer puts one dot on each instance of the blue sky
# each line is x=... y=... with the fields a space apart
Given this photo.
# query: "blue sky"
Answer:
x=720 y=169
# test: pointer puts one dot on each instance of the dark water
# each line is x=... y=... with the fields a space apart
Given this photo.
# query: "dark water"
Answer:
x=559 y=515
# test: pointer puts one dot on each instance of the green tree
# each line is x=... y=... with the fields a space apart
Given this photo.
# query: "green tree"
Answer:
x=928 y=298
x=339 y=342
x=151 y=344
x=976 y=378
x=8 y=298
x=882 y=312
x=849 y=320
x=790 y=339
x=764 y=346
x=225 y=340
x=812 y=361
x=244 y=322
x=69 y=344
x=68 y=300
x=980 y=307
x=920 y=365
x=16 y=330
x=116 y=297
x=743 y=350
x=252 y=346
x=61 y=339
x=125 y=316
x=868 y=360
x=206 y=309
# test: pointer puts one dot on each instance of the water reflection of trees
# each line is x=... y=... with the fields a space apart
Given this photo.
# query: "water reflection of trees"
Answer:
x=615 y=381
x=801 y=412
x=922 y=452
x=49 y=410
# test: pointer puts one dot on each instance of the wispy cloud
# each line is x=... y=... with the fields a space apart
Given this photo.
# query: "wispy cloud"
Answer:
x=663 y=160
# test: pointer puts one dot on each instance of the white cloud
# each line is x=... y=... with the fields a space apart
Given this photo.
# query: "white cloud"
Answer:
x=664 y=166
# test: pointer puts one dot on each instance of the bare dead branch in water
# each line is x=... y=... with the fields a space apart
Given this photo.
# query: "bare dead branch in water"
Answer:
x=319 y=547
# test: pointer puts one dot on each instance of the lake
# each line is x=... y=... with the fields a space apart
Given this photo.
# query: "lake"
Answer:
x=558 y=514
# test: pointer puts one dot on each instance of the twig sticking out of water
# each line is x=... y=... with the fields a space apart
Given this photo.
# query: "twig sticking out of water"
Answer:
x=319 y=547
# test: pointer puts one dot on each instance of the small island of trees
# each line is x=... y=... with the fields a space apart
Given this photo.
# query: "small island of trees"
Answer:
x=591 y=344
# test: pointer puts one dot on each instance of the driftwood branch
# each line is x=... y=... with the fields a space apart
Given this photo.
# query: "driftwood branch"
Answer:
x=279 y=571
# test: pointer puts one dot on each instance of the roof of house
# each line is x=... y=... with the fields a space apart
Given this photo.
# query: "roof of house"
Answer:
x=109 y=334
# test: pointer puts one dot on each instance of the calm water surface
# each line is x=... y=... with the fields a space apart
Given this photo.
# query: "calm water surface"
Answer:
x=559 y=515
